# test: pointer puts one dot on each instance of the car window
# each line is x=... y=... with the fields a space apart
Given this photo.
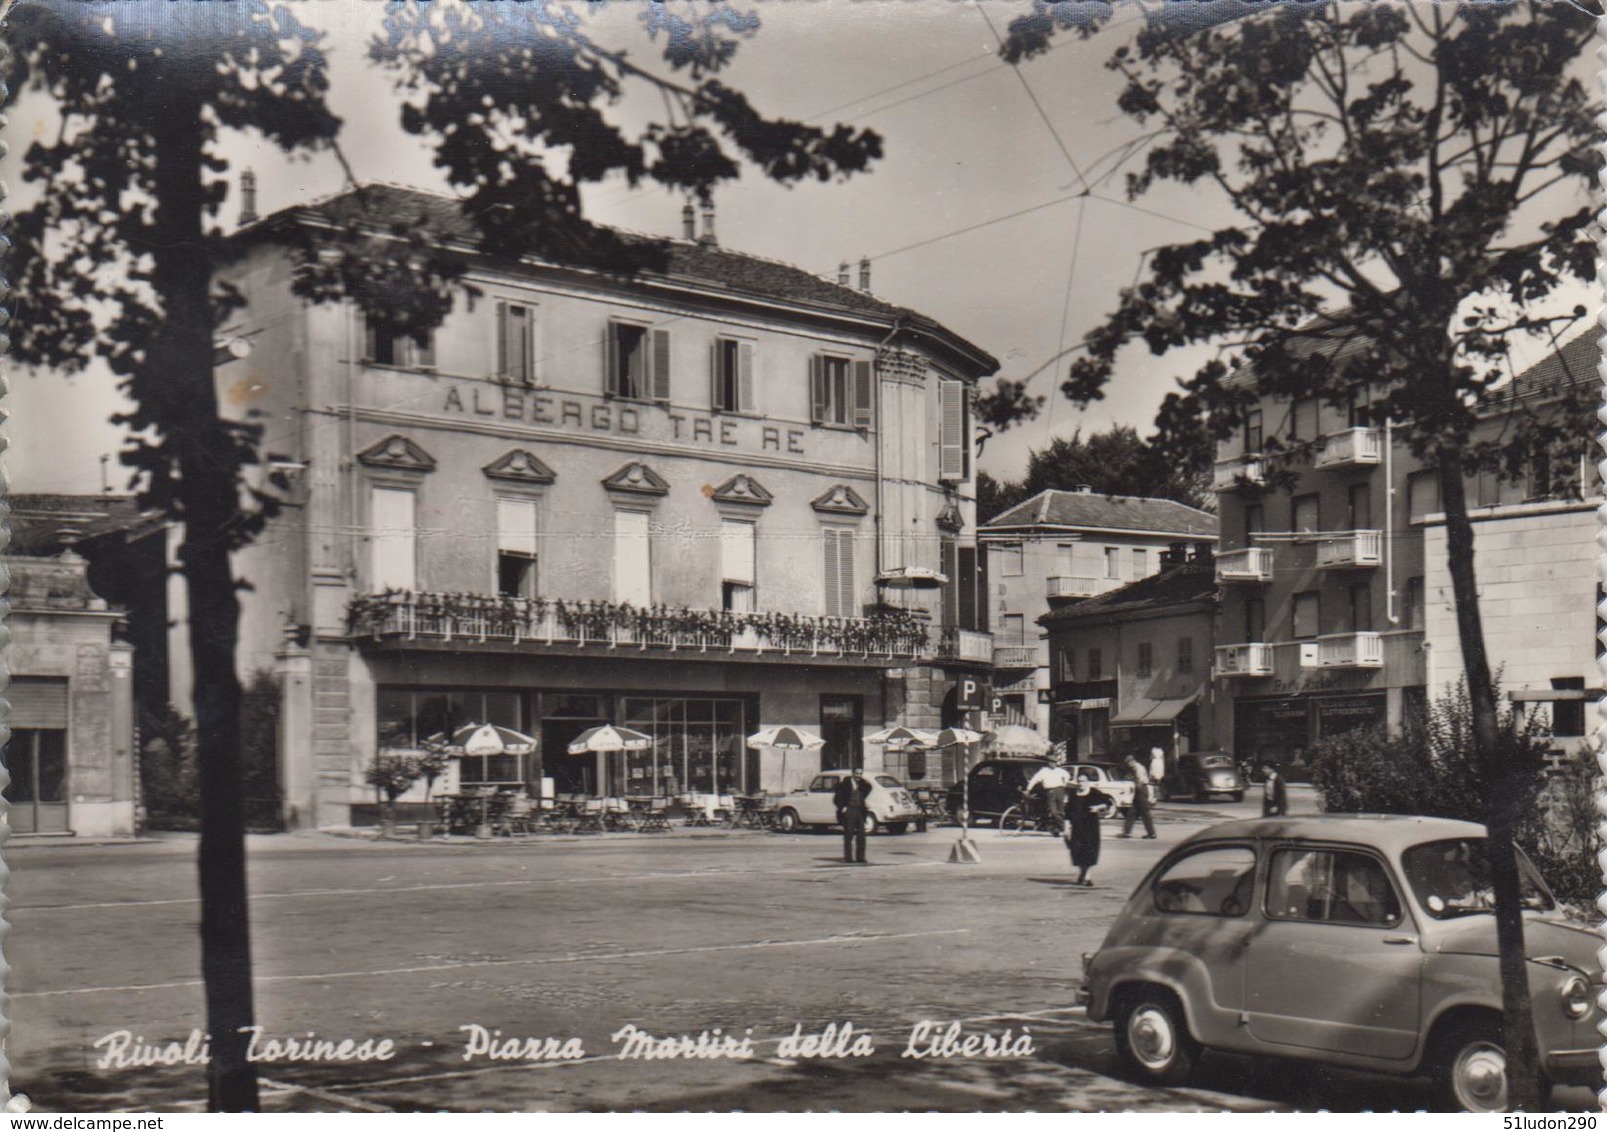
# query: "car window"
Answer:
x=1208 y=882
x=985 y=771
x=822 y=785
x=1331 y=886
x=888 y=781
x=1452 y=878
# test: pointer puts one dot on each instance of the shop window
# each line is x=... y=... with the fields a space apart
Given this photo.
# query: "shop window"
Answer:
x=385 y=345
x=516 y=343
x=1307 y=615
x=516 y=547
x=638 y=360
x=409 y=718
x=731 y=374
x=699 y=747
x=393 y=539
x=737 y=565
x=1146 y=659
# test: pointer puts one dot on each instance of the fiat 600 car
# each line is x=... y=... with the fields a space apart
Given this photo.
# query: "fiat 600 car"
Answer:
x=1359 y=941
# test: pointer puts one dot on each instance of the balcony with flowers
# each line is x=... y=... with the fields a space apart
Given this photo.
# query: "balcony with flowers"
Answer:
x=405 y=619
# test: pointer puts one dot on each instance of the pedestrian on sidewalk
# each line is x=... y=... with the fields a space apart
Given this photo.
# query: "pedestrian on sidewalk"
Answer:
x=1139 y=810
x=1157 y=772
x=1085 y=807
x=850 y=798
x=1053 y=780
x=1274 y=792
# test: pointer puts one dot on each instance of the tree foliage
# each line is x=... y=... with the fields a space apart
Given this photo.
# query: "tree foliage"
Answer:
x=1114 y=462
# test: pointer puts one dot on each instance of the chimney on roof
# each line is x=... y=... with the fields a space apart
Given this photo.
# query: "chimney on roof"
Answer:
x=248 y=197
x=1174 y=556
x=842 y=274
x=864 y=273
x=1204 y=554
x=688 y=222
x=707 y=239
x=1083 y=489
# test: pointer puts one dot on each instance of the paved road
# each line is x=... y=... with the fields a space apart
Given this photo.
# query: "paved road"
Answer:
x=571 y=938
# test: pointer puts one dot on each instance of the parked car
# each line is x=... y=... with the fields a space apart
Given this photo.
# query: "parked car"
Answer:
x=1359 y=941
x=996 y=785
x=1203 y=775
x=1112 y=782
x=889 y=804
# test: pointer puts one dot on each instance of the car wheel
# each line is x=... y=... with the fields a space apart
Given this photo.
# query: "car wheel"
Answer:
x=1472 y=1069
x=871 y=824
x=1153 y=1039
x=896 y=827
x=787 y=821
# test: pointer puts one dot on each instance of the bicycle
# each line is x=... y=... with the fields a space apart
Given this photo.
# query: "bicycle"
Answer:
x=1030 y=815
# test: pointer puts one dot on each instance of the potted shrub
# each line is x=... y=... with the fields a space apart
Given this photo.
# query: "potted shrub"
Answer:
x=431 y=765
x=391 y=775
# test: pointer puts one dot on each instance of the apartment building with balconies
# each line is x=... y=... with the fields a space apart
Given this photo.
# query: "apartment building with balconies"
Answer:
x=1332 y=566
x=694 y=501
x=1060 y=548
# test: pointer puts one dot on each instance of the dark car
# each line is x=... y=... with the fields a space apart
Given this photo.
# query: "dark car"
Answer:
x=996 y=785
x=1203 y=775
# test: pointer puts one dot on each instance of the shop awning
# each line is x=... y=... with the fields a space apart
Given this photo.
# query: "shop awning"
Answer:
x=1141 y=711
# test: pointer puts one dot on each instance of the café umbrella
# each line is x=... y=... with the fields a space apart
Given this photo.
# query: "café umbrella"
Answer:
x=785 y=739
x=901 y=738
x=1013 y=739
x=607 y=739
x=483 y=740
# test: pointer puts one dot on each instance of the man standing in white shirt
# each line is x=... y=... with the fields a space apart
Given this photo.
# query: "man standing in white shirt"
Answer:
x=1053 y=779
x=1157 y=771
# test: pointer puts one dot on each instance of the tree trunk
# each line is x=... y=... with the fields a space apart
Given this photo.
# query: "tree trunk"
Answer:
x=178 y=387
x=1501 y=793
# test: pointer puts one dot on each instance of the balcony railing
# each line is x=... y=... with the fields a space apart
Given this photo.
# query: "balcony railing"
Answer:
x=1244 y=660
x=469 y=618
x=1064 y=586
x=1239 y=472
x=1016 y=656
x=966 y=645
x=1342 y=549
x=1252 y=564
x=1351 y=446
x=1350 y=650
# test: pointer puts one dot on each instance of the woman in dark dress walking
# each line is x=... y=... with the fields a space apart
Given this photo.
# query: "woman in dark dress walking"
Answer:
x=1084 y=808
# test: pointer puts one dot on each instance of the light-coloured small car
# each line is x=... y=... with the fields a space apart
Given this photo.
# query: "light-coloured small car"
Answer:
x=1118 y=790
x=889 y=804
x=1359 y=941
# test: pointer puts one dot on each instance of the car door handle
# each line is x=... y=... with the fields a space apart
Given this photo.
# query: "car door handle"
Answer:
x=1400 y=939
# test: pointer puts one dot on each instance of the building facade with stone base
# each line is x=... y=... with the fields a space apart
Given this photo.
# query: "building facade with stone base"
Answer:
x=695 y=502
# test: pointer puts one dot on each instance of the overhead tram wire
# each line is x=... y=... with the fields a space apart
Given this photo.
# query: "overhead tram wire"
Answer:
x=1036 y=105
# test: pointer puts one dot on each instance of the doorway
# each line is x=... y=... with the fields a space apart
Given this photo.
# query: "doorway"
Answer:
x=570 y=774
x=36 y=758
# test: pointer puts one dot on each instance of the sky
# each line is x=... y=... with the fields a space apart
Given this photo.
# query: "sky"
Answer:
x=969 y=141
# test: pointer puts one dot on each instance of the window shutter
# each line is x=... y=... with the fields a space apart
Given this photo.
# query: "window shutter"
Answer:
x=863 y=389
x=951 y=430
x=982 y=610
x=661 y=365
x=949 y=563
x=817 y=389
x=845 y=573
x=745 y=376
x=504 y=347
x=965 y=583
x=611 y=360
x=831 y=536
x=714 y=375
x=37 y=701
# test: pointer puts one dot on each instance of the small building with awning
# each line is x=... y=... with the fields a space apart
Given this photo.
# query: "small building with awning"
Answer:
x=1131 y=668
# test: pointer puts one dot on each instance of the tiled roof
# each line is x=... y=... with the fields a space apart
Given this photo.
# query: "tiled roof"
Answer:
x=36 y=519
x=687 y=260
x=1181 y=585
x=1108 y=512
x=1574 y=364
